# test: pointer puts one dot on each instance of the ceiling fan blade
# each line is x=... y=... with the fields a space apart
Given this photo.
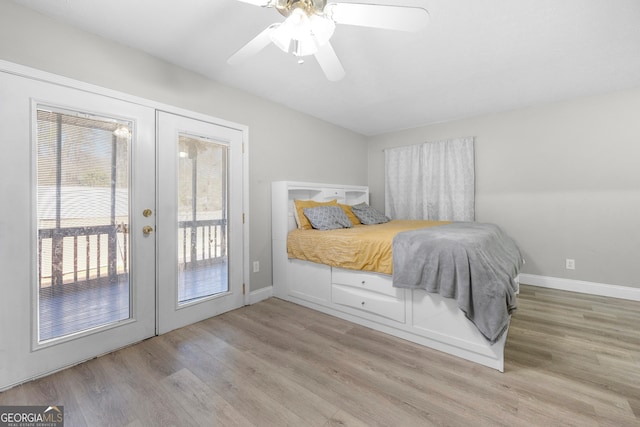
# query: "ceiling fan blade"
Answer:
x=263 y=3
x=258 y=43
x=329 y=63
x=401 y=18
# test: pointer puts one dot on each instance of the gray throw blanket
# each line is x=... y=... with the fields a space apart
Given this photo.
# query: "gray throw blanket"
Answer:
x=471 y=262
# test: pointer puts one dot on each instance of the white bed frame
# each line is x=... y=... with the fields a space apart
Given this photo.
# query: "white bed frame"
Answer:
x=365 y=298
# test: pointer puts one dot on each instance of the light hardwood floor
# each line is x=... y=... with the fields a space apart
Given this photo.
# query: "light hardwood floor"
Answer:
x=571 y=359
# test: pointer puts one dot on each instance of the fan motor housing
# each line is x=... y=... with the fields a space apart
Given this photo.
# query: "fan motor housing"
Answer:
x=285 y=7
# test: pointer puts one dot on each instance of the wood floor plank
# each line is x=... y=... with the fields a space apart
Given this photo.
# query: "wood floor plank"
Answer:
x=266 y=375
x=99 y=398
x=133 y=377
x=372 y=365
x=570 y=359
x=328 y=381
x=341 y=418
x=225 y=376
x=355 y=372
x=202 y=403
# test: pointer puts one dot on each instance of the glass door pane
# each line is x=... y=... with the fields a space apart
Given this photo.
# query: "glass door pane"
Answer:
x=82 y=221
x=202 y=218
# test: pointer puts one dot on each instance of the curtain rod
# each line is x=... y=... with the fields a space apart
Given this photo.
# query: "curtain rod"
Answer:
x=428 y=142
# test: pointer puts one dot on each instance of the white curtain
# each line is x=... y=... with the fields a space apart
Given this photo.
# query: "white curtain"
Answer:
x=434 y=180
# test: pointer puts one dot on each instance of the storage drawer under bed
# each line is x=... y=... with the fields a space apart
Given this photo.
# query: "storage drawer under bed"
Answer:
x=368 y=292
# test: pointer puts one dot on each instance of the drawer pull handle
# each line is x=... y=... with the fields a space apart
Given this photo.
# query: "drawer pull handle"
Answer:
x=362 y=302
x=363 y=282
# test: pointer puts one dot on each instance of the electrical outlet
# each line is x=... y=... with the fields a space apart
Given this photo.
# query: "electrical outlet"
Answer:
x=570 y=264
x=256 y=266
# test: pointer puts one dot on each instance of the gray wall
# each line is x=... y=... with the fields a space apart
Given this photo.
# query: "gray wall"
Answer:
x=283 y=144
x=562 y=179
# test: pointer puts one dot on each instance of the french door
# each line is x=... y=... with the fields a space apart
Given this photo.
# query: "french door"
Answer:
x=200 y=243
x=97 y=249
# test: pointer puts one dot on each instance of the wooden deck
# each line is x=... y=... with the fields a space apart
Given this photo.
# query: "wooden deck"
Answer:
x=74 y=307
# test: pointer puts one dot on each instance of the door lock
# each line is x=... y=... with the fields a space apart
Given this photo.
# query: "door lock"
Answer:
x=147 y=229
x=147 y=213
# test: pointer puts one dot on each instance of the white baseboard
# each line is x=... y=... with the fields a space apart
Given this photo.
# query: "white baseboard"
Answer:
x=259 y=295
x=601 y=289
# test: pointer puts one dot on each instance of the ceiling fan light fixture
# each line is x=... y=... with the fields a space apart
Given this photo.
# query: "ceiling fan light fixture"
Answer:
x=302 y=35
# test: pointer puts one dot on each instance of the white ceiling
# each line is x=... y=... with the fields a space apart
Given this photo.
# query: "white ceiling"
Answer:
x=474 y=57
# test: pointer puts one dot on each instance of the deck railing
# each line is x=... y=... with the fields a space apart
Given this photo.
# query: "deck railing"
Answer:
x=202 y=242
x=84 y=254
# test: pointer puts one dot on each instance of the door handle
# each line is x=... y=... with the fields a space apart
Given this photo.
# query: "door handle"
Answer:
x=147 y=229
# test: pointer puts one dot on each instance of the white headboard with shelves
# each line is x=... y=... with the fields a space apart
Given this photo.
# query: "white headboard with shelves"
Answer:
x=283 y=193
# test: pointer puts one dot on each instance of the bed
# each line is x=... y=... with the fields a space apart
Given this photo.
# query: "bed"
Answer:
x=362 y=290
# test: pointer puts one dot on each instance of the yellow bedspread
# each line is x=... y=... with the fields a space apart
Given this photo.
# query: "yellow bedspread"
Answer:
x=362 y=247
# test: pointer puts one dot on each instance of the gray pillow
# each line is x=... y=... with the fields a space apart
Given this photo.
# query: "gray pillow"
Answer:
x=368 y=215
x=327 y=217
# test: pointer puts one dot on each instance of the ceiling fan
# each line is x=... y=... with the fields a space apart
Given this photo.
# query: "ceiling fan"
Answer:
x=309 y=25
